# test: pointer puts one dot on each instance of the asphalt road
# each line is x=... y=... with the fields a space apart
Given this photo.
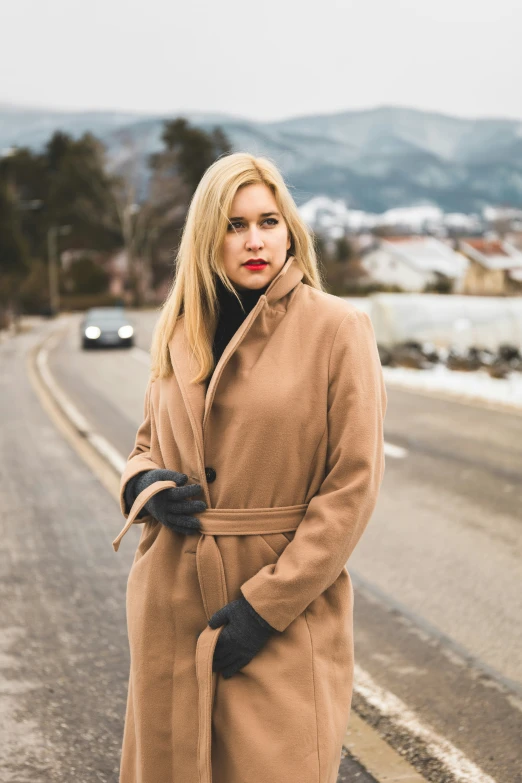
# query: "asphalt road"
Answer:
x=63 y=646
x=437 y=575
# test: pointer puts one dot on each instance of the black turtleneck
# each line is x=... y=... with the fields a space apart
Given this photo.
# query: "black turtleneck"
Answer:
x=230 y=314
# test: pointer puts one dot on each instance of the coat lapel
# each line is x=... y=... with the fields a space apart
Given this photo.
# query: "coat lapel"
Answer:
x=198 y=399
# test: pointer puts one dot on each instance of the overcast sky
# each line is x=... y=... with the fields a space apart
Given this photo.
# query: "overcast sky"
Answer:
x=263 y=60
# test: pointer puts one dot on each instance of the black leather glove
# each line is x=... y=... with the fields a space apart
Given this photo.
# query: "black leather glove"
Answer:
x=245 y=634
x=172 y=506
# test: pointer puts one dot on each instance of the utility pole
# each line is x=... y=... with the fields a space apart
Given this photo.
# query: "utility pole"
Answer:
x=54 y=291
x=130 y=216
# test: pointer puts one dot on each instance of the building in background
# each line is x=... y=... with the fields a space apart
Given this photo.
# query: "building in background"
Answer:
x=415 y=263
x=495 y=267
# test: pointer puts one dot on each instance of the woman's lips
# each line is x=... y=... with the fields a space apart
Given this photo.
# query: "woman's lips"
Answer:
x=255 y=265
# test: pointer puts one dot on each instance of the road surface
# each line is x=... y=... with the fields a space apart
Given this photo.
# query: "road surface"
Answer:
x=437 y=576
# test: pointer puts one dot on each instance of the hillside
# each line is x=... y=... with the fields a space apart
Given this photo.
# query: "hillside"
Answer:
x=374 y=159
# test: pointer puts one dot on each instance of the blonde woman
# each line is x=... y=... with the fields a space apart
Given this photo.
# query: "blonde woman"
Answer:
x=255 y=471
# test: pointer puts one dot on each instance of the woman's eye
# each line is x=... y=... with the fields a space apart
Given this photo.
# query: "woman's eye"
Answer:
x=237 y=225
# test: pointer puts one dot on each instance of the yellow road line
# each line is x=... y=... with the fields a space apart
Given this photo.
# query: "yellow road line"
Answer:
x=376 y=756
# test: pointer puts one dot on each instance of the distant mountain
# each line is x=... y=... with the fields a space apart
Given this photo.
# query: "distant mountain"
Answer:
x=374 y=159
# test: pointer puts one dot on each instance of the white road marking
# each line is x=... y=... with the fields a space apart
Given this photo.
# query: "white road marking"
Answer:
x=464 y=770
x=79 y=422
x=72 y=413
x=391 y=450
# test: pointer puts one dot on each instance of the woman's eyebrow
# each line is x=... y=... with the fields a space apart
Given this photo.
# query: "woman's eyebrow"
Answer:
x=263 y=214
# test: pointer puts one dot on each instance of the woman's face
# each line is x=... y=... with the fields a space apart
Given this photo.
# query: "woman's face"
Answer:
x=257 y=238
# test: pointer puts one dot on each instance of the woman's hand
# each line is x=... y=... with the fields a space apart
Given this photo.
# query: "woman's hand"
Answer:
x=172 y=506
x=245 y=633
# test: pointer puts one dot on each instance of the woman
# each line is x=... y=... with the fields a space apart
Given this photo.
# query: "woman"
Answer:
x=239 y=603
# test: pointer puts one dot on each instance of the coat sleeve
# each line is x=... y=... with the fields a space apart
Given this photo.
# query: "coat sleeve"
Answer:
x=338 y=514
x=140 y=457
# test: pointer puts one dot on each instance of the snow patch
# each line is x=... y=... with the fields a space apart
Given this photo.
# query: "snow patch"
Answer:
x=474 y=386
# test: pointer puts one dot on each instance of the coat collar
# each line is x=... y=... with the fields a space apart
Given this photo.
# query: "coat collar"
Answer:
x=285 y=280
x=197 y=398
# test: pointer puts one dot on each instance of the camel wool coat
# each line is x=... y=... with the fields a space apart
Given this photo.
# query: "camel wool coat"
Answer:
x=287 y=444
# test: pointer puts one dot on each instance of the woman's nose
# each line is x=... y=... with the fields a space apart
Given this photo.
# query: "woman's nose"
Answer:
x=254 y=240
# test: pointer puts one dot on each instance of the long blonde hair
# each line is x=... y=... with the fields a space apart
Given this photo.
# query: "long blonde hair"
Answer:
x=193 y=290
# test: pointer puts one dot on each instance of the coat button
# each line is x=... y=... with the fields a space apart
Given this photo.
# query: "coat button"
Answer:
x=210 y=474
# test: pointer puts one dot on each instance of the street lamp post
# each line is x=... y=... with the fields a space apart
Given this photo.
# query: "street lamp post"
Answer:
x=54 y=291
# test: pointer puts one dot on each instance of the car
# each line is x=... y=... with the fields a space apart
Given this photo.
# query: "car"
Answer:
x=106 y=327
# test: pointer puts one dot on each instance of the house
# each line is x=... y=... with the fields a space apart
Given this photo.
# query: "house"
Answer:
x=515 y=239
x=495 y=267
x=413 y=263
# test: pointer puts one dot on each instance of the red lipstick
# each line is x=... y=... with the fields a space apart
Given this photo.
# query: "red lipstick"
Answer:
x=256 y=264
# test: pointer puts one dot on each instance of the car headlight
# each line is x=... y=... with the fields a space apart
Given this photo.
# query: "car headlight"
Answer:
x=125 y=331
x=92 y=332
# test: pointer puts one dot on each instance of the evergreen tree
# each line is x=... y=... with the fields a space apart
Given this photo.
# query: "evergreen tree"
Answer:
x=192 y=150
x=14 y=257
x=87 y=277
x=343 y=250
x=79 y=192
x=175 y=174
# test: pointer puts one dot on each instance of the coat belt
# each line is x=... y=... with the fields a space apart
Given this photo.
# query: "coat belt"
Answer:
x=211 y=577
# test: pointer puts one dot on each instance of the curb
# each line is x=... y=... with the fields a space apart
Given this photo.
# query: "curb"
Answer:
x=452 y=395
